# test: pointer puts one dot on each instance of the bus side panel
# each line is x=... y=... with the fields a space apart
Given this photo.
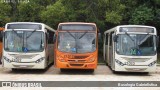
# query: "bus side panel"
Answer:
x=51 y=53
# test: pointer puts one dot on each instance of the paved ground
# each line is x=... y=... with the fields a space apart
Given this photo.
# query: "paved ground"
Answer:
x=102 y=73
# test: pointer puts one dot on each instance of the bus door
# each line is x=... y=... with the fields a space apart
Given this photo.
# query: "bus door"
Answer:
x=50 y=46
x=110 y=56
x=113 y=50
x=1 y=39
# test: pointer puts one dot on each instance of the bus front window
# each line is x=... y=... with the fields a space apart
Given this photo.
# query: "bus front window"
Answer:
x=77 y=42
x=136 y=44
x=23 y=41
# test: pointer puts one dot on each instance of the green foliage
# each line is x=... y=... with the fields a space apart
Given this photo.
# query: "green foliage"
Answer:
x=115 y=11
x=105 y=13
x=142 y=15
x=29 y=12
x=113 y=17
x=54 y=14
x=4 y=14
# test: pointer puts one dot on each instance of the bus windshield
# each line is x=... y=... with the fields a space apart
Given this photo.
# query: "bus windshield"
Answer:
x=136 y=44
x=24 y=41
x=77 y=42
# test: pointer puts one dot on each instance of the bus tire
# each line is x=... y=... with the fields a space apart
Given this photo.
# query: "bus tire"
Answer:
x=48 y=62
x=62 y=70
x=106 y=64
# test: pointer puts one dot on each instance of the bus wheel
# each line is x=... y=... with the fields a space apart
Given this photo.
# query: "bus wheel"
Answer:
x=106 y=64
x=48 y=62
x=62 y=70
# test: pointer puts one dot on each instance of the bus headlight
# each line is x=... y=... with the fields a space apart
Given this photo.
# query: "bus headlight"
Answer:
x=92 y=59
x=152 y=63
x=40 y=60
x=119 y=62
x=5 y=58
x=62 y=60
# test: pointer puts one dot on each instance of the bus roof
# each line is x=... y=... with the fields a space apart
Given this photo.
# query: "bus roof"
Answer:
x=77 y=23
x=135 y=26
x=114 y=28
x=30 y=23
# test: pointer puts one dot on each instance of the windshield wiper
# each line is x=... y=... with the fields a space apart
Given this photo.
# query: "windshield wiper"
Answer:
x=83 y=35
x=71 y=34
x=130 y=37
x=144 y=39
x=31 y=33
x=16 y=33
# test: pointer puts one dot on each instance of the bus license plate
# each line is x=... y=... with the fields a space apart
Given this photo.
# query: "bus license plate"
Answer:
x=130 y=63
x=18 y=60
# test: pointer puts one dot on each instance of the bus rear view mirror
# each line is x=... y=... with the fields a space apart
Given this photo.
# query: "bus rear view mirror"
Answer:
x=54 y=38
x=157 y=41
x=99 y=36
x=115 y=38
x=1 y=35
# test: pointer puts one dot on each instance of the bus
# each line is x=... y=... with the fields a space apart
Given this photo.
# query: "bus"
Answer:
x=1 y=38
x=27 y=45
x=76 y=46
x=131 y=48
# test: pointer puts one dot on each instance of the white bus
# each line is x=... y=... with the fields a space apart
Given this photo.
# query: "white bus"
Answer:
x=131 y=48
x=27 y=45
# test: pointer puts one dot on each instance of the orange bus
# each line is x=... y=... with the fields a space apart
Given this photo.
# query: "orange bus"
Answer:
x=76 y=46
x=1 y=39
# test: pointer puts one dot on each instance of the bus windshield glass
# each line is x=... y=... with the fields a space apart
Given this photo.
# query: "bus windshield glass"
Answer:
x=24 y=41
x=77 y=42
x=136 y=44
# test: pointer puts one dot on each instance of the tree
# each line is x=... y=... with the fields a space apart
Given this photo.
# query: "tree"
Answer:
x=142 y=15
x=5 y=10
x=54 y=14
x=29 y=12
x=114 y=13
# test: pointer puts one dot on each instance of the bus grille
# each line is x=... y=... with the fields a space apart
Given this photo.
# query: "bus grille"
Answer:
x=23 y=56
x=76 y=64
x=137 y=59
x=77 y=61
x=80 y=57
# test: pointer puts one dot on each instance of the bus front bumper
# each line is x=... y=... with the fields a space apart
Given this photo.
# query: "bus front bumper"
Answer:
x=24 y=65
x=67 y=65
x=144 y=68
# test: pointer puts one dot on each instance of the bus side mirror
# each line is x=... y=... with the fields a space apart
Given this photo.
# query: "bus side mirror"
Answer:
x=115 y=38
x=54 y=38
x=99 y=36
x=1 y=36
x=157 y=41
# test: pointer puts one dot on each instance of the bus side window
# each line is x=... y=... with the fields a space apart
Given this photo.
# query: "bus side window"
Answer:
x=50 y=37
x=106 y=39
x=110 y=36
x=46 y=36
